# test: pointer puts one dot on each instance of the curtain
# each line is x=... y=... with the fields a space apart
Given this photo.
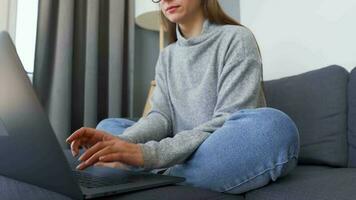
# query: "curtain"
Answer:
x=83 y=68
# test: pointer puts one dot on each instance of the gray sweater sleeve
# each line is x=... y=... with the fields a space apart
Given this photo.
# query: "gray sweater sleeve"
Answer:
x=238 y=87
x=157 y=124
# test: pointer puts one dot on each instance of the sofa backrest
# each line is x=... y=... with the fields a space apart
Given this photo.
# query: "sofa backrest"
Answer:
x=352 y=118
x=317 y=102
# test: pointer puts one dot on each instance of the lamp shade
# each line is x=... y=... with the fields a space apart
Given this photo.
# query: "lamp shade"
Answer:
x=147 y=14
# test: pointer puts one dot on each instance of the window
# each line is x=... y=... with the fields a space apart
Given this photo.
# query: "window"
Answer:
x=25 y=37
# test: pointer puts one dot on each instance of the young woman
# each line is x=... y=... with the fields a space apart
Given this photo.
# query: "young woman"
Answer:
x=208 y=121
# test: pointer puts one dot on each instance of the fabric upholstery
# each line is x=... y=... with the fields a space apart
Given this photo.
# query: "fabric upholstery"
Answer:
x=177 y=193
x=317 y=102
x=310 y=183
x=13 y=189
x=352 y=119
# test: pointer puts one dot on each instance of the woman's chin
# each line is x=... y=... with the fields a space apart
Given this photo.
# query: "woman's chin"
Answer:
x=174 y=18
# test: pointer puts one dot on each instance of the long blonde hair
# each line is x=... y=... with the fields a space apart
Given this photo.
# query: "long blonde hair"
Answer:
x=215 y=14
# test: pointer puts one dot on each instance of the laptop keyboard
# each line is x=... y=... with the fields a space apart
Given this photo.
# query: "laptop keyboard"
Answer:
x=92 y=181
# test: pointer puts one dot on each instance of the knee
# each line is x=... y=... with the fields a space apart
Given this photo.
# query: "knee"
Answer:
x=282 y=129
x=278 y=122
x=271 y=125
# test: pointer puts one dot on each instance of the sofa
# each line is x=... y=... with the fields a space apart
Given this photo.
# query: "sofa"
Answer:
x=322 y=103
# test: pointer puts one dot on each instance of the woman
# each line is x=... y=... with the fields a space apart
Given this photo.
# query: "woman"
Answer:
x=208 y=121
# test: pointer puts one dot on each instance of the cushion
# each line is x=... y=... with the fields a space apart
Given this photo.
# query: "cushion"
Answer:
x=352 y=119
x=13 y=189
x=317 y=102
x=310 y=183
x=177 y=193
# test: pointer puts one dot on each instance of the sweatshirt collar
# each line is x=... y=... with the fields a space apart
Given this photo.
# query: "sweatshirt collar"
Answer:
x=205 y=33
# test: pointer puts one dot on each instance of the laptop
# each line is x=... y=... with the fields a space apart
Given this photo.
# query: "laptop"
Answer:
x=30 y=151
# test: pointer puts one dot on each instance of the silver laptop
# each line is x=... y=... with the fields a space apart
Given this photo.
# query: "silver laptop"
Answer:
x=30 y=152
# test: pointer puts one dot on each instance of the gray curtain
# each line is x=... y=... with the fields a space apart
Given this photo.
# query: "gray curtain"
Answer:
x=84 y=62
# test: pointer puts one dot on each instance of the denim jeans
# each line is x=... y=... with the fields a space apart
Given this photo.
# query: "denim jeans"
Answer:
x=251 y=149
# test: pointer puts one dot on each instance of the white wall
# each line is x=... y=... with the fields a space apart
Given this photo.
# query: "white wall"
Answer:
x=231 y=7
x=298 y=36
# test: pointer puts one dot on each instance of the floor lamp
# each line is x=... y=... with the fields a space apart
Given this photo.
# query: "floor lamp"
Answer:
x=147 y=16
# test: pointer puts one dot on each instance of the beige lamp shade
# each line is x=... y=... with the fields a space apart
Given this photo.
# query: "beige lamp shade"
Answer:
x=147 y=14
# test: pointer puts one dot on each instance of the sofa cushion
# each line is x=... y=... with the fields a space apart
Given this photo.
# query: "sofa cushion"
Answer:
x=310 y=183
x=317 y=102
x=352 y=119
x=13 y=189
x=178 y=193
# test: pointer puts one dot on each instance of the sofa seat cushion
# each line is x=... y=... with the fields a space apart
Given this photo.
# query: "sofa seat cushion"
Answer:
x=13 y=189
x=317 y=102
x=175 y=192
x=310 y=183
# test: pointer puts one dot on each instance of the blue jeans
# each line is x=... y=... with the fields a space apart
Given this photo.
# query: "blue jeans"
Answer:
x=253 y=147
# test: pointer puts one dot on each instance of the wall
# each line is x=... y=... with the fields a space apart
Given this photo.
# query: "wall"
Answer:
x=298 y=36
x=146 y=54
x=231 y=7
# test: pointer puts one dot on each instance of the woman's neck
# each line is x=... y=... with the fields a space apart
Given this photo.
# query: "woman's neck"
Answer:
x=193 y=26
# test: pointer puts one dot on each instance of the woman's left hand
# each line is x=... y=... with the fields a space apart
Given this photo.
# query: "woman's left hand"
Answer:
x=113 y=150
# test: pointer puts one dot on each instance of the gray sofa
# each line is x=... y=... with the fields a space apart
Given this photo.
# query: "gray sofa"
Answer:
x=323 y=105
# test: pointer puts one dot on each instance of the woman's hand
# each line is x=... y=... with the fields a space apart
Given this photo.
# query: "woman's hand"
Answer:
x=103 y=147
x=86 y=137
x=115 y=164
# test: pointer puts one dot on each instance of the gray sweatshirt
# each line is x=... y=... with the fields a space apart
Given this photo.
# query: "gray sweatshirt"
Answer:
x=201 y=81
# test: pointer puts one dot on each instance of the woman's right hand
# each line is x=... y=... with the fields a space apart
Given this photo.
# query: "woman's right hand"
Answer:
x=86 y=137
